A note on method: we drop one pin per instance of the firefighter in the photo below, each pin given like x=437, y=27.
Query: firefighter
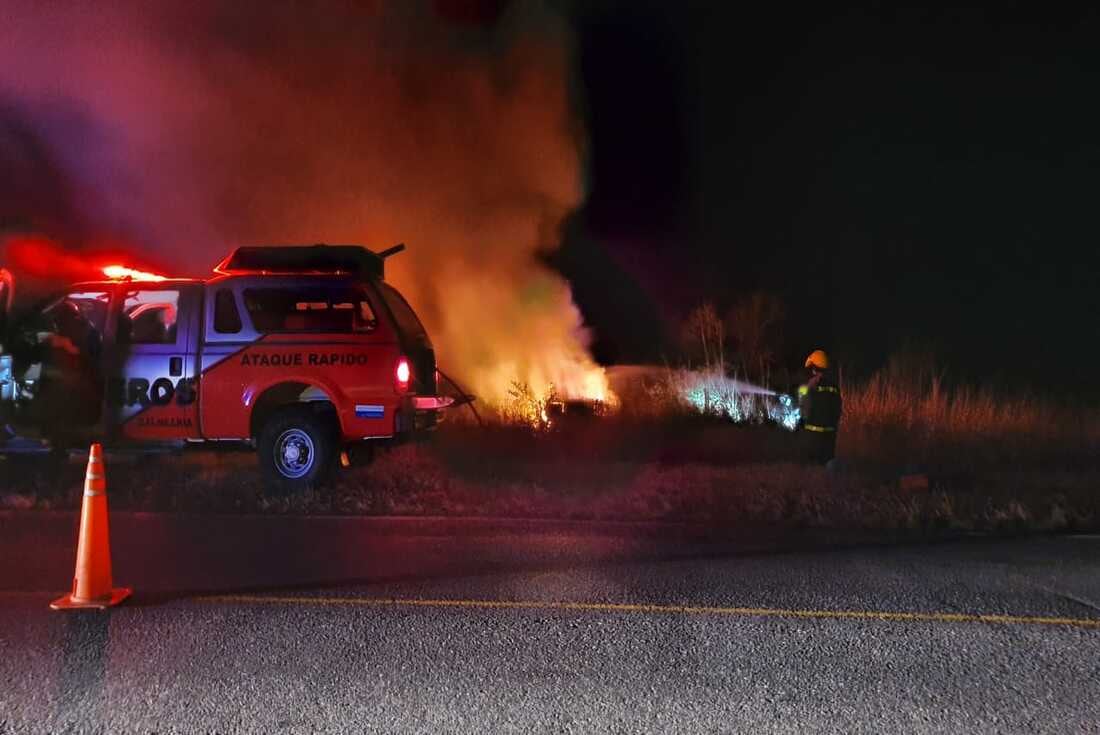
x=820, y=406
x=70, y=392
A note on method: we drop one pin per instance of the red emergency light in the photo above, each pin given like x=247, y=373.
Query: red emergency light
x=122, y=273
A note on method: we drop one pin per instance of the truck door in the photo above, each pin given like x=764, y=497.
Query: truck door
x=59, y=363
x=152, y=387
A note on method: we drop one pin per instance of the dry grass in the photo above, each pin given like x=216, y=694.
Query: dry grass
x=901, y=418
x=923, y=423
x=992, y=461
x=438, y=479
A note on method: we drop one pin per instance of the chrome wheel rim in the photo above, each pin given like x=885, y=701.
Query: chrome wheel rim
x=294, y=454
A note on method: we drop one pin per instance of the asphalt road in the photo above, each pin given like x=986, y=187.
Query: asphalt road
x=449, y=628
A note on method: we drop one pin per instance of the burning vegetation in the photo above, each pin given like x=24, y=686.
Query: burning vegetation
x=185, y=130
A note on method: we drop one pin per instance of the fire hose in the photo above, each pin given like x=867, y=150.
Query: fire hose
x=463, y=396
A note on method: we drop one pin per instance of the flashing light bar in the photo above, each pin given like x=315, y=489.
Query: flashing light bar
x=122, y=273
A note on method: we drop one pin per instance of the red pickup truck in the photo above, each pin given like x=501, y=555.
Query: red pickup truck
x=299, y=352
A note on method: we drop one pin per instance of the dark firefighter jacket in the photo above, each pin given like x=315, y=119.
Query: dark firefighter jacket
x=820, y=403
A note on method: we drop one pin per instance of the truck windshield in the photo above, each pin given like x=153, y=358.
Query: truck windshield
x=406, y=318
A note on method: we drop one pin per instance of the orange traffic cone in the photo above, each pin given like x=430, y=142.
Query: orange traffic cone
x=92, y=582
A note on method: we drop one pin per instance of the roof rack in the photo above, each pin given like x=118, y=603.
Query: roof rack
x=307, y=259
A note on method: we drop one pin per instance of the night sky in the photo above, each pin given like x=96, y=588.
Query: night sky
x=898, y=177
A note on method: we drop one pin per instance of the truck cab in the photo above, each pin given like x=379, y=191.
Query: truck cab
x=297, y=352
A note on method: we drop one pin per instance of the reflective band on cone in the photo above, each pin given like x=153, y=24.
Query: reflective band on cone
x=92, y=582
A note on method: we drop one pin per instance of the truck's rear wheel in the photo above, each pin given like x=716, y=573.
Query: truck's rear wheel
x=297, y=449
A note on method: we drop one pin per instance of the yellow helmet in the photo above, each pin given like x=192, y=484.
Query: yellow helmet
x=818, y=359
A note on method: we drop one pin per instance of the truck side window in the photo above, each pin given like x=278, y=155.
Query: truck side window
x=149, y=317
x=227, y=319
x=402, y=312
x=335, y=310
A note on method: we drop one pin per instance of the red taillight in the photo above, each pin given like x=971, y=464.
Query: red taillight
x=402, y=375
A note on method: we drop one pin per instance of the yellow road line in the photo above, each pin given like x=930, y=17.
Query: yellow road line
x=647, y=608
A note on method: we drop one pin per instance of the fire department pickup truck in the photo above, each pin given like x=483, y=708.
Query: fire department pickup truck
x=299, y=352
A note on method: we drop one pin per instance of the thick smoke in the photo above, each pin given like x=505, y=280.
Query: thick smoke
x=195, y=127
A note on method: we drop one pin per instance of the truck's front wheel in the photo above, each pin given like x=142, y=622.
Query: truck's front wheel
x=297, y=448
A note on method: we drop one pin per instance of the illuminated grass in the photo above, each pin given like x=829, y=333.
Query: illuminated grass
x=904, y=420
x=628, y=473
x=891, y=419
x=992, y=462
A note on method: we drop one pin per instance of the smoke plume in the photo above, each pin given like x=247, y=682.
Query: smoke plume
x=189, y=128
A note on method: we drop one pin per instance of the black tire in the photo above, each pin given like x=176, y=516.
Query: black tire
x=297, y=449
